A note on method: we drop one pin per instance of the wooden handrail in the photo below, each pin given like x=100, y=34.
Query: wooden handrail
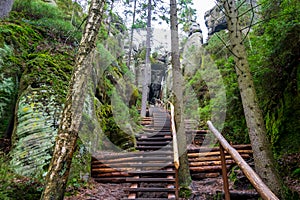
x=175, y=145
x=255, y=180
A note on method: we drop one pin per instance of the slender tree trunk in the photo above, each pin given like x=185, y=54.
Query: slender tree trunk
x=110, y=21
x=184, y=171
x=147, y=70
x=263, y=157
x=131, y=36
x=58, y=173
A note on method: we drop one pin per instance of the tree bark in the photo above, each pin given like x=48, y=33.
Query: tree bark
x=59, y=168
x=263, y=157
x=5, y=7
x=147, y=70
x=184, y=171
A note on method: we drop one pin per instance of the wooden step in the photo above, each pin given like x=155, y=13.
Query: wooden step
x=155, y=139
x=154, y=189
x=151, y=180
x=111, y=180
x=148, y=199
x=148, y=148
x=134, y=159
x=152, y=172
x=157, y=134
x=127, y=155
x=151, y=143
x=133, y=165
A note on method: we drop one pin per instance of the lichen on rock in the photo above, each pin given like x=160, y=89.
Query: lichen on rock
x=35, y=130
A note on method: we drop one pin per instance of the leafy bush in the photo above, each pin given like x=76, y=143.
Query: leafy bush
x=274, y=60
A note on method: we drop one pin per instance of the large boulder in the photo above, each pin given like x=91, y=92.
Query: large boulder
x=215, y=20
x=37, y=117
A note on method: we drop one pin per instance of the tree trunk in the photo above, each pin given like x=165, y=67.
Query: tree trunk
x=131, y=37
x=263, y=157
x=5, y=7
x=147, y=69
x=59, y=168
x=184, y=171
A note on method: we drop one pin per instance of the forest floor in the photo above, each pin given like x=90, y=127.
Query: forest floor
x=205, y=189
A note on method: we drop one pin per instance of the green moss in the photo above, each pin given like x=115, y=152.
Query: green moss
x=43, y=69
x=185, y=192
x=19, y=35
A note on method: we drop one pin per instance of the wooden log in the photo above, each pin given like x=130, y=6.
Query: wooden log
x=106, y=170
x=256, y=181
x=215, y=158
x=111, y=179
x=214, y=153
x=110, y=174
x=210, y=163
x=207, y=168
x=216, y=149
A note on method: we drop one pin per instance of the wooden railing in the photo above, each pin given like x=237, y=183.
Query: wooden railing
x=255, y=180
x=175, y=147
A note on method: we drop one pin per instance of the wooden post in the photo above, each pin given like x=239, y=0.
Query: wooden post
x=176, y=184
x=224, y=174
x=255, y=180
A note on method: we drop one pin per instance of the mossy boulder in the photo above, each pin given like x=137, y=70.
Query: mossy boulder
x=36, y=125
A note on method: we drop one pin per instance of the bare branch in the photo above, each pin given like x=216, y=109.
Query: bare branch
x=241, y=5
x=251, y=9
x=252, y=18
x=229, y=49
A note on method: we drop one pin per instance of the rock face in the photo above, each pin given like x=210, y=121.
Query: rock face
x=191, y=52
x=215, y=19
x=37, y=119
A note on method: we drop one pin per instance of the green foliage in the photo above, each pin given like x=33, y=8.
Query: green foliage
x=233, y=177
x=296, y=173
x=185, y=192
x=80, y=168
x=274, y=60
x=13, y=186
x=235, y=128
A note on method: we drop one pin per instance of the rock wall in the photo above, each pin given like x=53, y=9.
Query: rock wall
x=215, y=19
x=37, y=118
